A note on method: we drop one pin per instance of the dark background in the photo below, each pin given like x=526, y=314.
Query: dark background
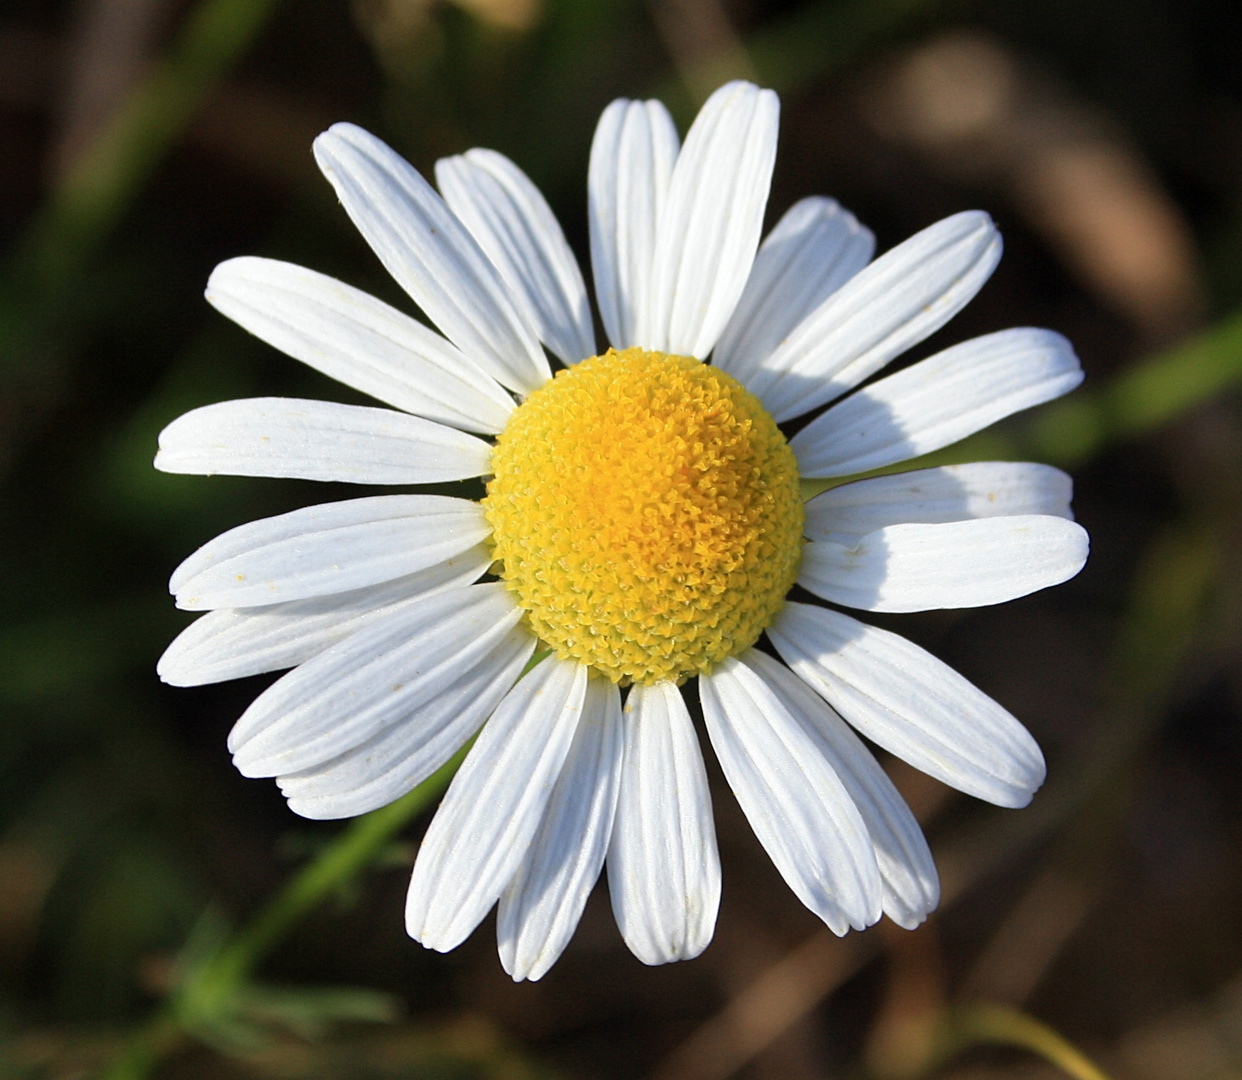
x=1104, y=137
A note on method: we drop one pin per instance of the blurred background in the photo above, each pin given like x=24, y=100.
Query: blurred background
x=143, y=141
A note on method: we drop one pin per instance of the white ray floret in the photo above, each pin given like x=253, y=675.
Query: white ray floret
x=896, y=302
x=910, y=703
x=632, y=157
x=318, y=440
x=814, y=250
x=539, y=910
x=792, y=797
x=402, y=755
x=935, y=496
x=375, y=678
x=232, y=643
x=958, y=564
x=711, y=221
x=663, y=866
x=485, y=825
x=431, y=254
x=515, y=226
x=938, y=401
x=359, y=341
x=911, y=886
x=330, y=548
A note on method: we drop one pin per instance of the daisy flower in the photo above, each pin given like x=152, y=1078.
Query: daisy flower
x=642, y=529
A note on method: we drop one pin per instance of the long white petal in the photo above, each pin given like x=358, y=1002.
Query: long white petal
x=359, y=341
x=324, y=549
x=514, y=225
x=632, y=157
x=896, y=302
x=540, y=909
x=910, y=703
x=938, y=401
x=959, y=564
x=799, y=809
x=981, y=489
x=911, y=884
x=814, y=250
x=385, y=674
x=401, y=756
x=318, y=440
x=235, y=642
x=431, y=255
x=709, y=229
x=663, y=865
x=489, y=816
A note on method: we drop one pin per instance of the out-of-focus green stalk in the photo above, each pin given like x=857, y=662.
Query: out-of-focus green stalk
x=1133, y=404
x=209, y=992
x=988, y=1022
x=105, y=180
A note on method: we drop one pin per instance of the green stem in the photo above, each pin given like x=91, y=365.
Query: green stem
x=208, y=992
x=988, y=1022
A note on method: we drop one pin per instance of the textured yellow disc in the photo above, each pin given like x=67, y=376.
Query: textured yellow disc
x=646, y=512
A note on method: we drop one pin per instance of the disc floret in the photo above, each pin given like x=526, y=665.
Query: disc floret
x=646, y=515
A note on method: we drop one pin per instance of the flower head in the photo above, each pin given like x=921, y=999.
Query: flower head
x=642, y=526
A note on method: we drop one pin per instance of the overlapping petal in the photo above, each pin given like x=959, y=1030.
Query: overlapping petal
x=539, y=910
x=493, y=808
x=934, y=496
x=359, y=341
x=792, y=797
x=814, y=250
x=910, y=703
x=938, y=401
x=387, y=673
x=709, y=227
x=911, y=886
x=514, y=225
x=232, y=643
x=431, y=255
x=896, y=302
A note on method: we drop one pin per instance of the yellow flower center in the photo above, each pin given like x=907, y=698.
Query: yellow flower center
x=646, y=512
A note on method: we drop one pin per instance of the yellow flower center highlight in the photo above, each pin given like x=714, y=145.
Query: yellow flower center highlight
x=647, y=514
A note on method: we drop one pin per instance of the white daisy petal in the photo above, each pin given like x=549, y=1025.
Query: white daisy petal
x=814, y=250
x=896, y=302
x=235, y=642
x=982, y=489
x=514, y=225
x=324, y=549
x=402, y=755
x=383, y=674
x=492, y=810
x=318, y=440
x=663, y=865
x=359, y=341
x=959, y=564
x=938, y=401
x=799, y=809
x=907, y=701
x=632, y=157
x=910, y=882
x=431, y=255
x=540, y=909
x=710, y=226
